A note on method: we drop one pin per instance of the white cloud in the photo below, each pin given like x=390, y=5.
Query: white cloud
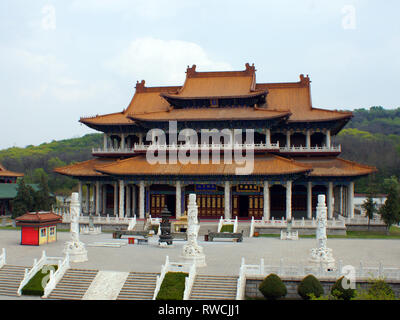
x=162, y=61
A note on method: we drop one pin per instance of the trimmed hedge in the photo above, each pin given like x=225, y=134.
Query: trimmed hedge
x=34, y=286
x=273, y=287
x=340, y=293
x=173, y=286
x=310, y=285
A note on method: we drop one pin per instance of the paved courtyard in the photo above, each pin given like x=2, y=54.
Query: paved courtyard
x=222, y=258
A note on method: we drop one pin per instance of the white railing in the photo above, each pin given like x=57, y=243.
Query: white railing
x=361, y=220
x=189, y=281
x=153, y=222
x=300, y=271
x=311, y=149
x=171, y=267
x=37, y=266
x=100, y=219
x=132, y=223
x=3, y=257
x=215, y=146
x=241, y=282
x=300, y=223
x=228, y=222
x=57, y=276
x=194, y=147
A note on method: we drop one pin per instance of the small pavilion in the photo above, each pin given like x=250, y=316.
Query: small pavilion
x=38, y=228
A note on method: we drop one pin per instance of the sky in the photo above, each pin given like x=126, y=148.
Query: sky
x=65, y=59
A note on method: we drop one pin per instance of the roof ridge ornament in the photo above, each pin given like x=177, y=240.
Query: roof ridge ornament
x=191, y=71
x=250, y=69
x=305, y=80
x=140, y=86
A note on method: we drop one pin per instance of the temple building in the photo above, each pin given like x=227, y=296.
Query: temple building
x=8, y=189
x=295, y=158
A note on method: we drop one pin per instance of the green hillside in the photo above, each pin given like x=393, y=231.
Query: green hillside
x=34, y=161
x=372, y=137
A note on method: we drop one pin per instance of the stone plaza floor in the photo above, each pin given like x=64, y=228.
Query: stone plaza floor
x=222, y=257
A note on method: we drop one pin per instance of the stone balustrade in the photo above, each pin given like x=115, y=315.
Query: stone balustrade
x=300, y=271
x=36, y=267
x=3, y=257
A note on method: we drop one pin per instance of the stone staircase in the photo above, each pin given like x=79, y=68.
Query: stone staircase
x=73, y=284
x=207, y=287
x=10, y=279
x=138, y=286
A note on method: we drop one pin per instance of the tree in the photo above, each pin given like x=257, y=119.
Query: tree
x=370, y=208
x=390, y=210
x=43, y=200
x=273, y=287
x=24, y=201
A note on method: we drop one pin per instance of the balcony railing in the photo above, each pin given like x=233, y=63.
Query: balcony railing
x=141, y=148
x=315, y=149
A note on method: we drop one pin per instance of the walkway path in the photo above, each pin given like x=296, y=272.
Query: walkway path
x=106, y=285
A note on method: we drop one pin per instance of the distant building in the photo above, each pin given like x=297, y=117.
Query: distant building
x=8, y=189
x=359, y=199
x=295, y=158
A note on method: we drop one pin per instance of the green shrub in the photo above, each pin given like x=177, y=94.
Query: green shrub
x=227, y=228
x=34, y=286
x=340, y=293
x=273, y=287
x=173, y=286
x=310, y=285
x=379, y=290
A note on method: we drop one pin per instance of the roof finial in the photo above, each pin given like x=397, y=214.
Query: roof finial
x=305, y=80
x=191, y=71
x=250, y=69
x=140, y=86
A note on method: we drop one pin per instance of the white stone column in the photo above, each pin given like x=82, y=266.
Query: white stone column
x=97, y=198
x=328, y=138
x=341, y=201
x=309, y=200
x=121, y=198
x=105, y=141
x=80, y=194
x=267, y=206
x=141, y=200
x=268, y=137
x=140, y=138
x=350, y=200
x=308, y=139
x=122, y=145
x=128, y=201
x=88, y=198
x=330, y=200
x=115, y=199
x=104, y=196
x=288, y=139
x=178, y=196
x=227, y=198
x=133, y=200
x=289, y=200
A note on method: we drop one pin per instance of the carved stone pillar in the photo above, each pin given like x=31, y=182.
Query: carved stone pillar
x=121, y=198
x=309, y=200
x=227, y=198
x=267, y=206
x=288, y=200
x=141, y=200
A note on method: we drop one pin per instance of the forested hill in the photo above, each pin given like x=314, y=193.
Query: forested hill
x=372, y=137
x=34, y=161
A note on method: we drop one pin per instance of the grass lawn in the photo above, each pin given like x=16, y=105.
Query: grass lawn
x=173, y=286
x=34, y=286
x=393, y=234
